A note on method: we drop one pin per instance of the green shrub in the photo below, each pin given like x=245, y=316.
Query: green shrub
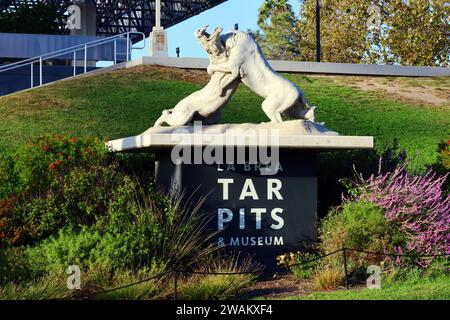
x=440, y=267
x=35, y=166
x=83, y=197
x=132, y=239
x=367, y=227
x=305, y=270
x=442, y=165
x=302, y=263
x=64, y=182
x=67, y=202
x=38, y=218
x=86, y=249
x=86, y=193
x=8, y=176
x=54, y=182
x=356, y=225
x=14, y=266
x=123, y=208
x=444, y=155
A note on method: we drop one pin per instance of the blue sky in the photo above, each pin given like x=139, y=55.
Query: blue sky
x=243, y=12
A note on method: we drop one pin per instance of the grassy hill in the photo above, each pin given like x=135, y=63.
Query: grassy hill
x=127, y=102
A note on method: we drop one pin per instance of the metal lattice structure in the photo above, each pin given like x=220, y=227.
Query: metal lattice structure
x=120, y=16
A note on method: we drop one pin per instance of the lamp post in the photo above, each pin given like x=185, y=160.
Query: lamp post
x=158, y=37
x=158, y=14
x=318, y=30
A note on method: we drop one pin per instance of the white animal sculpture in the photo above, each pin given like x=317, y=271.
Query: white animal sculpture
x=206, y=104
x=234, y=57
x=246, y=61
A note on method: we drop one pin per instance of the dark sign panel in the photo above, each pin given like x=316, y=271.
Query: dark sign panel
x=264, y=215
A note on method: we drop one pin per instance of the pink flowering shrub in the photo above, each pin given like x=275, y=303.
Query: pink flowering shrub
x=415, y=205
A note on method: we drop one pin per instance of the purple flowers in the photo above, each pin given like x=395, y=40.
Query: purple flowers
x=415, y=205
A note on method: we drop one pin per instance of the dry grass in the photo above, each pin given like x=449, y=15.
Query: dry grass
x=328, y=278
x=33, y=103
x=48, y=287
x=432, y=92
x=156, y=72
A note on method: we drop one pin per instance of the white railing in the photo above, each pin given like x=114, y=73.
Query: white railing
x=73, y=52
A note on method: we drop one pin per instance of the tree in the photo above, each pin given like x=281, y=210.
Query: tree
x=40, y=18
x=278, y=36
x=413, y=32
x=344, y=31
x=419, y=32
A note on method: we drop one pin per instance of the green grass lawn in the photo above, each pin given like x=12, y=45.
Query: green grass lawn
x=425, y=289
x=127, y=102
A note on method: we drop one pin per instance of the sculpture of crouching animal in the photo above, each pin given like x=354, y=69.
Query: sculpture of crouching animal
x=206, y=104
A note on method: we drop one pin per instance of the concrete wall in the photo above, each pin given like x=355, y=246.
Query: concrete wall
x=309, y=67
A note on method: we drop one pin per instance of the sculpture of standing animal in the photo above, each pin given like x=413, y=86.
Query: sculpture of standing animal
x=246, y=61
